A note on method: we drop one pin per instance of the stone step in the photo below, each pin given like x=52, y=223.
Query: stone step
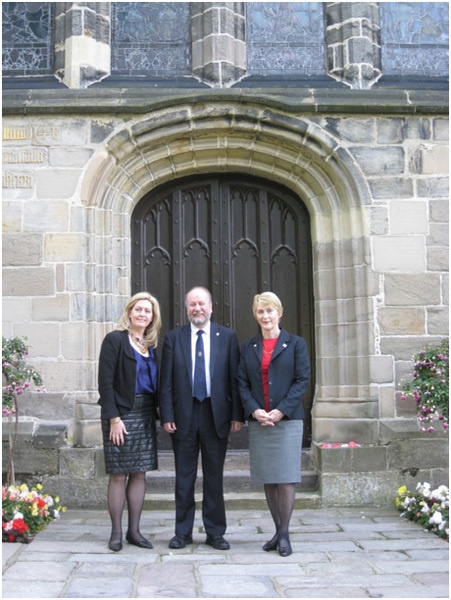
x=236, y=475
x=234, y=501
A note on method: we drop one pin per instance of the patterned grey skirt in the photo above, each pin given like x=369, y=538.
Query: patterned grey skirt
x=139, y=452
x=275, y=452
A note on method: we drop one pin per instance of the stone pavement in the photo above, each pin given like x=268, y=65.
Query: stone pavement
x=338, y=553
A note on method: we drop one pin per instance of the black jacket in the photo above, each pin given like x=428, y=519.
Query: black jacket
x=175, y=390
x=288, y=376
x=117, y=375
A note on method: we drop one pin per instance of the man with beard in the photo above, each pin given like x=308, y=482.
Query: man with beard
x=199, y=406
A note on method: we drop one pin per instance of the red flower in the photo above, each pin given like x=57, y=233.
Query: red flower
x=20, y=526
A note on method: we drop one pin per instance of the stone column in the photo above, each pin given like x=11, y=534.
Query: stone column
x=82, y=42
x=353, y=43
x=218, y=42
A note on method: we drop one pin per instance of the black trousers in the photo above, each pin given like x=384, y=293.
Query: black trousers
x=201, y=437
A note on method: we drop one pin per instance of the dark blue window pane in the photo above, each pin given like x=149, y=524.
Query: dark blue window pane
x=285, y=38
x=415, y=38
x=27, y=38
x=151, y=38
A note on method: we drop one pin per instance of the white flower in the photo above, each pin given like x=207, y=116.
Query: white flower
x=18, y=515
x=424, y=489
x=436, y=518
x=425, y=509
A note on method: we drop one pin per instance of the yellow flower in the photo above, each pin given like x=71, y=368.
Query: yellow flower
x=402, y=489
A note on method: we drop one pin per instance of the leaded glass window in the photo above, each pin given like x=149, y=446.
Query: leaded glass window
x=415, y=38
x=285, y=38
x=27, y=38
x=151, y=38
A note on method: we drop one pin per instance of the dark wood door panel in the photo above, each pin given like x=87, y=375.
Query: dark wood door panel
x=236, y=236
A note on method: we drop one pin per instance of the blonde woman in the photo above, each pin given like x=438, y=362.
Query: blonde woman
x=127, y=381
x=273, y=378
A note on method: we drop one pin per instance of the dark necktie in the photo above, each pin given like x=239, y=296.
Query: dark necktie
x=200, y=382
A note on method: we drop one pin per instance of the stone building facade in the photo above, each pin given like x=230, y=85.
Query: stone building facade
x=334, y=115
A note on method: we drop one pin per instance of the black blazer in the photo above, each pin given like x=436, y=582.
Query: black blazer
x=288, y=376
x=175, y=387
x=117, y=375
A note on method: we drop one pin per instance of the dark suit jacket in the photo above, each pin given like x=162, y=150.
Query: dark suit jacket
x=175, y=388
x=288, y=376
x=117, y=375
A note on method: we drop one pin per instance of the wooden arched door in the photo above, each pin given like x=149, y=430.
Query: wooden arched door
x=235, y=235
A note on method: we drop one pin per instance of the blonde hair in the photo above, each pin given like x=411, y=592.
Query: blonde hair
x=267, y=299
x=153, y=329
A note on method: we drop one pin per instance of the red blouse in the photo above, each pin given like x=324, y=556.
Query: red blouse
x=268, y=349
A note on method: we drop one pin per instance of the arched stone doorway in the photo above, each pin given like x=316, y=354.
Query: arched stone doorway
x=251, y=139
x=235, y=235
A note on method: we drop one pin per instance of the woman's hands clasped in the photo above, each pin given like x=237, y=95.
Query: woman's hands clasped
x=267, y=419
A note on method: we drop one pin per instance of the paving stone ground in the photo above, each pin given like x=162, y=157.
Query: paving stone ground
x=337, y=553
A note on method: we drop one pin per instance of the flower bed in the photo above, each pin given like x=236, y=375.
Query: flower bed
x=25, y=512
x=429, y=508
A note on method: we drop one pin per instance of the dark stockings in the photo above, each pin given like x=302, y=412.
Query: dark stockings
x=119, y=490
x=280, y=498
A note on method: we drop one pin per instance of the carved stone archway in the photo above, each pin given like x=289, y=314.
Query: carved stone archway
x=200, y=138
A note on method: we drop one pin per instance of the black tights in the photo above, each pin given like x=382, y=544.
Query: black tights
x=133, y=490
x=280, y=498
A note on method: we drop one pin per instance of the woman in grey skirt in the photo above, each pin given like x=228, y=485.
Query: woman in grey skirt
x=273, y=378
x=128, y=399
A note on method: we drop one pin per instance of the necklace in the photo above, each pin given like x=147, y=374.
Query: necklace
x=140, y=343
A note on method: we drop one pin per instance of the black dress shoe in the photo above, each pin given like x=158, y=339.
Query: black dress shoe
x=285, y=547
x=142, y=543
x=180, y=541
x=271, y=545
x=217, y=542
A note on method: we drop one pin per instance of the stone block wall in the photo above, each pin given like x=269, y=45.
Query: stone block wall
x=374, y=179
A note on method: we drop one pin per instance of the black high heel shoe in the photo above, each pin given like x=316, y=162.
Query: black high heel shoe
x=272, y=544
x=142, y=543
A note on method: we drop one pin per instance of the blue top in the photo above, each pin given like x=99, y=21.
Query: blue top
x=146, y=373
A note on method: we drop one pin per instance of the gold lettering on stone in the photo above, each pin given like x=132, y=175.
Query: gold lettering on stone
x=23, y=156
x=16, y=133
x=16, y=181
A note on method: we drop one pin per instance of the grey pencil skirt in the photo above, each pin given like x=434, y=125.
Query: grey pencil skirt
x=275, y=452
x=139, y=452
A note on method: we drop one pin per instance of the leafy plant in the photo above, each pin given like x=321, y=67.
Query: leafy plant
x=25, y=512
x=429, y=508
x=430, y=386
x=17, y=374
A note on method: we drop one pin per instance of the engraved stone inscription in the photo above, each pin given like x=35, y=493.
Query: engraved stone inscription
x=16, y=181
x=16, y=133
x=23, y=156
x=47, y=133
